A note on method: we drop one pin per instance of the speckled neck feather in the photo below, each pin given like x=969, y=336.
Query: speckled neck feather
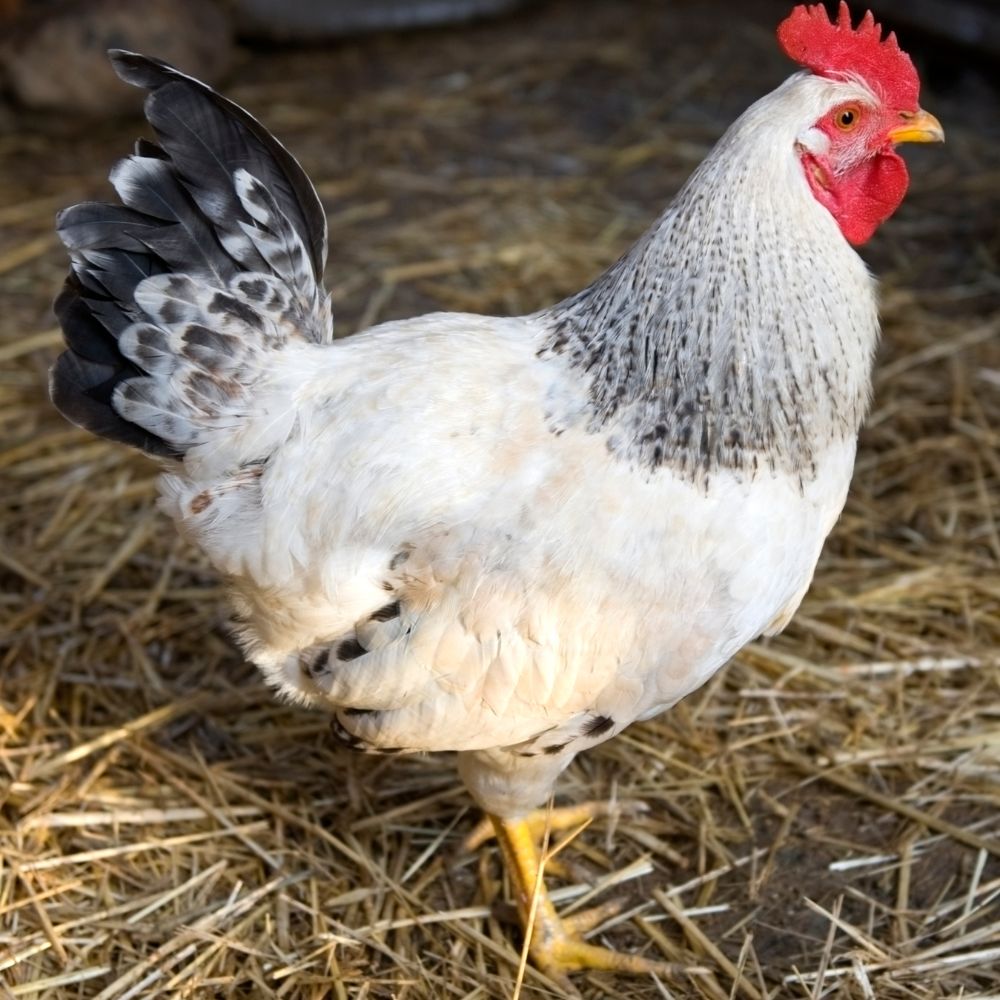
x=736, y=334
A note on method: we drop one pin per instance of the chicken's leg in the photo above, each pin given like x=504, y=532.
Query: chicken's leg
x=560, y=818
x=555, y=944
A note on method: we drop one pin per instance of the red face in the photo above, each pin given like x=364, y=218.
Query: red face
x=861, y=179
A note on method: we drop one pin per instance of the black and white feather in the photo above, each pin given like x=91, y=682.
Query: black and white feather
x=177, y=296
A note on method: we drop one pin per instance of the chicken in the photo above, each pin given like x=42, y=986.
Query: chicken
x=505, y=537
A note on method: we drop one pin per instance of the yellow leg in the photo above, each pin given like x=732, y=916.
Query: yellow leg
x=555, y=945
x=557, y=820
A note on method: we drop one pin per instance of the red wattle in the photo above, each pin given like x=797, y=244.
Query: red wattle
x=862, y=199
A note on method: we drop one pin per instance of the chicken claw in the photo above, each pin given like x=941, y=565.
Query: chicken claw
x=555, y=944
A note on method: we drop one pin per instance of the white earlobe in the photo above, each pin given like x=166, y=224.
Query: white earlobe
x=814, y=140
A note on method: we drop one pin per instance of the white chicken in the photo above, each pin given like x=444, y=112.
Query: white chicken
x=509, y=538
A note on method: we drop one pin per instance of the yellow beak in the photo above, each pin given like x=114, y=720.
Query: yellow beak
x=921, y=126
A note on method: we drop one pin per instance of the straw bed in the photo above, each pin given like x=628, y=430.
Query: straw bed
x=821, y=820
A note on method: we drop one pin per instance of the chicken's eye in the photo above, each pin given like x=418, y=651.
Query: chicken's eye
x=847, y=118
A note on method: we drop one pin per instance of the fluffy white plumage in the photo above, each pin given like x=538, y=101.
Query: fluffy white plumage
x=514, y=537
x=544, y=583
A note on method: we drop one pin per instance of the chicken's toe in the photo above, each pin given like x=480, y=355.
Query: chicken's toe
x=555, y=944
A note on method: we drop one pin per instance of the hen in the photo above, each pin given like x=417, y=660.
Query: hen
x=509, y=538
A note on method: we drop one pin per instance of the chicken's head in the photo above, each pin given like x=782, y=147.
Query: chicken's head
x=848, y=154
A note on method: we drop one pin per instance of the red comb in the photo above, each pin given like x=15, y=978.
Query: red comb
x=838, y=50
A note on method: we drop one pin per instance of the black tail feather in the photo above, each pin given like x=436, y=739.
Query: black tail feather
x=208, y=137
x=180, y=213
x=85, y=335
x=83, y=379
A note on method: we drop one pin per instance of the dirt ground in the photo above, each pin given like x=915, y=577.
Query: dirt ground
x=821, y=819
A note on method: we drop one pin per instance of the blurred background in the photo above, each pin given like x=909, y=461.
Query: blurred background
x=825, y=811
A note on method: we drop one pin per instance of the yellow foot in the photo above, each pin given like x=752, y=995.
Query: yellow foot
x=558, y=949
x=555, y=944
x=557, y=820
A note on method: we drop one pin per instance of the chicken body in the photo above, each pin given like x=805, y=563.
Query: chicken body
x=506, y=537
x=495, y=536
x=548, y=593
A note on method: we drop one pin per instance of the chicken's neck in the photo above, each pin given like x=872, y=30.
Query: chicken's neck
x=737, y=333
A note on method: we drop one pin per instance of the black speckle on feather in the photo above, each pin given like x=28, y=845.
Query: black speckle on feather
x=386, y=613
x=350, y=649
x=229, y=305
x=255, y=195
x=598, y=725
x=255, y=289
x=357, y=743
x=172, y=312
x=344, y=737
x=204, y=345
x=317, y=665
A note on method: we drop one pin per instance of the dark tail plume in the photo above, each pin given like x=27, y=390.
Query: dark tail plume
x=215, y=197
